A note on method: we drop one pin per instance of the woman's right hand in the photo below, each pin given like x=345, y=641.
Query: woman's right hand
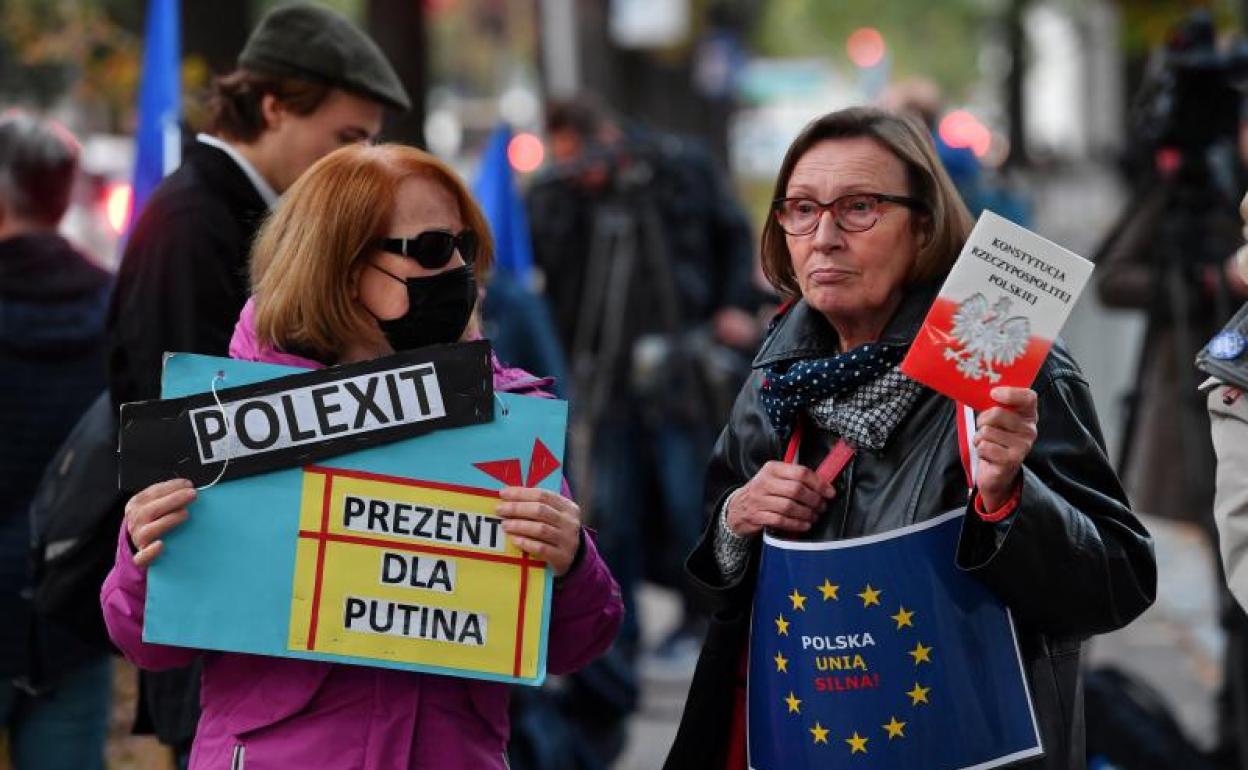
x=152, y=513
x=782, y=496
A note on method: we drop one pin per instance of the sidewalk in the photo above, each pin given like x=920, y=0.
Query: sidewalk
x=663, y=689
x=1176, y=646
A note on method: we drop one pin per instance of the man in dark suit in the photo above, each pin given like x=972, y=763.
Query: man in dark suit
x=307, y=83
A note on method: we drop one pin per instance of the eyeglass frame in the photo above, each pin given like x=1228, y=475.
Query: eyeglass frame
x=914, y=204
x=466, y=237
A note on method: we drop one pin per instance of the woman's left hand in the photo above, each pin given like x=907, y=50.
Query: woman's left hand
x=543, y=524
x=1004, y=437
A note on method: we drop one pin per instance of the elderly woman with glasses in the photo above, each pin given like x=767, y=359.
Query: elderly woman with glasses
x=865, y=225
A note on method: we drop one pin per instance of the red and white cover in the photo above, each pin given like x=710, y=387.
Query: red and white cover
x=998, y=313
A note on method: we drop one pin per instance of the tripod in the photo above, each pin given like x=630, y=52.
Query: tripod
x=627, y=238
x=1183, y=250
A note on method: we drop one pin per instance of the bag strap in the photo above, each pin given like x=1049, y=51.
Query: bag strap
x=965, y=417
x=832, y=465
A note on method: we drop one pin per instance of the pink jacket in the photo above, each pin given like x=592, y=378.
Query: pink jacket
x=262, y=713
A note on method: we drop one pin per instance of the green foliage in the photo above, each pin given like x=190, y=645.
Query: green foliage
x=938, y=40
x=352, y=9
x=50, y=47
x=1147, y=22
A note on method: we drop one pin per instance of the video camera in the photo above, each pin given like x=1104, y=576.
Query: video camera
x=629, y=165
x=1192, y=100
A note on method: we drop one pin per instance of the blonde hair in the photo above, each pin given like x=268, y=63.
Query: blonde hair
x=944, y=218
x=304, y=259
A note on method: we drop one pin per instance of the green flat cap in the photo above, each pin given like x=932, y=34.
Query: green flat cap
x=313, y=42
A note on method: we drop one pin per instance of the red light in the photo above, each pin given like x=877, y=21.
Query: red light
x=1169, y=160
x=962, y=129
x=865, y=47
x=525, y=153
x=117, y=206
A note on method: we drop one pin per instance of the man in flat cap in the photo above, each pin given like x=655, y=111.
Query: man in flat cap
x=308, y=82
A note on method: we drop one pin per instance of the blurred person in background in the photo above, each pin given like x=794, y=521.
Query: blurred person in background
x=921, y=99
x=56, y=692
x=707, y=262
x=648, y=264
x=307, y=83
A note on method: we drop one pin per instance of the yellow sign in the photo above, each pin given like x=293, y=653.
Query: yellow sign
x=415, y=572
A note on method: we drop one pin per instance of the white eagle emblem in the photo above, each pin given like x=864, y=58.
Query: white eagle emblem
x=987, y=337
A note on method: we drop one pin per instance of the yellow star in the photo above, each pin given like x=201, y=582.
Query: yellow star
x=895, y=728
x=799, y=601
x=904, y=617
x=857, y=743
x=782, y=626
x=918, y=694
x=820, y=732
x=794, y=702
x=829, y=590
x=921, y=654
x=782, y=663
x=870, y=596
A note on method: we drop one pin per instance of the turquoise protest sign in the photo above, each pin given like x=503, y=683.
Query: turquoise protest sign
x=388, y=556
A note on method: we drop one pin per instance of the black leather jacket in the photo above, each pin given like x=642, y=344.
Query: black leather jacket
x=1071, y=561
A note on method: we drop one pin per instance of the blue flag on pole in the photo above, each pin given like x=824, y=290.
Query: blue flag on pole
x=879, y=652
x=158, y=139
x=495, y=190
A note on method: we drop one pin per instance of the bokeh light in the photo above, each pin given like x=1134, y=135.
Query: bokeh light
x=525, y=152
x=117, y=202
x=865, y=47
x=962, y=129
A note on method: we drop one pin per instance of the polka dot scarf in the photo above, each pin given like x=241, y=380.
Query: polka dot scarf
x=792, y=387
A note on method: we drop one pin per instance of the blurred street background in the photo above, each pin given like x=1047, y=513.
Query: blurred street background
x=1053, y=113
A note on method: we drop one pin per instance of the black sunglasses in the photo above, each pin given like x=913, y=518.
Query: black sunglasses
x=432, y=249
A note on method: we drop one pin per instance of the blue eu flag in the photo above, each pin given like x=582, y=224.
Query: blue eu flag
x=158, y=138
x=495, y=189
x=880, y=653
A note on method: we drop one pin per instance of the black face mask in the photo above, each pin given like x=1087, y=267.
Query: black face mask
x=438, y=309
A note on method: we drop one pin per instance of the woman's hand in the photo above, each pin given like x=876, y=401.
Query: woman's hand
x=152, y=513
x=543, y=524
x=1003, y=439
x=782, y=496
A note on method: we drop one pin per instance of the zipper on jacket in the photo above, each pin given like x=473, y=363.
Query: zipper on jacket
x=848, y=476
x=240, y=756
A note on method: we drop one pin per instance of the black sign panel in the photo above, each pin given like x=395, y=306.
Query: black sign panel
x=301, y=418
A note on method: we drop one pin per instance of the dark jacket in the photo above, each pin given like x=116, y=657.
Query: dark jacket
x=1070, y=562
x=182, y=283
x=183, y=277
x=52, y=304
